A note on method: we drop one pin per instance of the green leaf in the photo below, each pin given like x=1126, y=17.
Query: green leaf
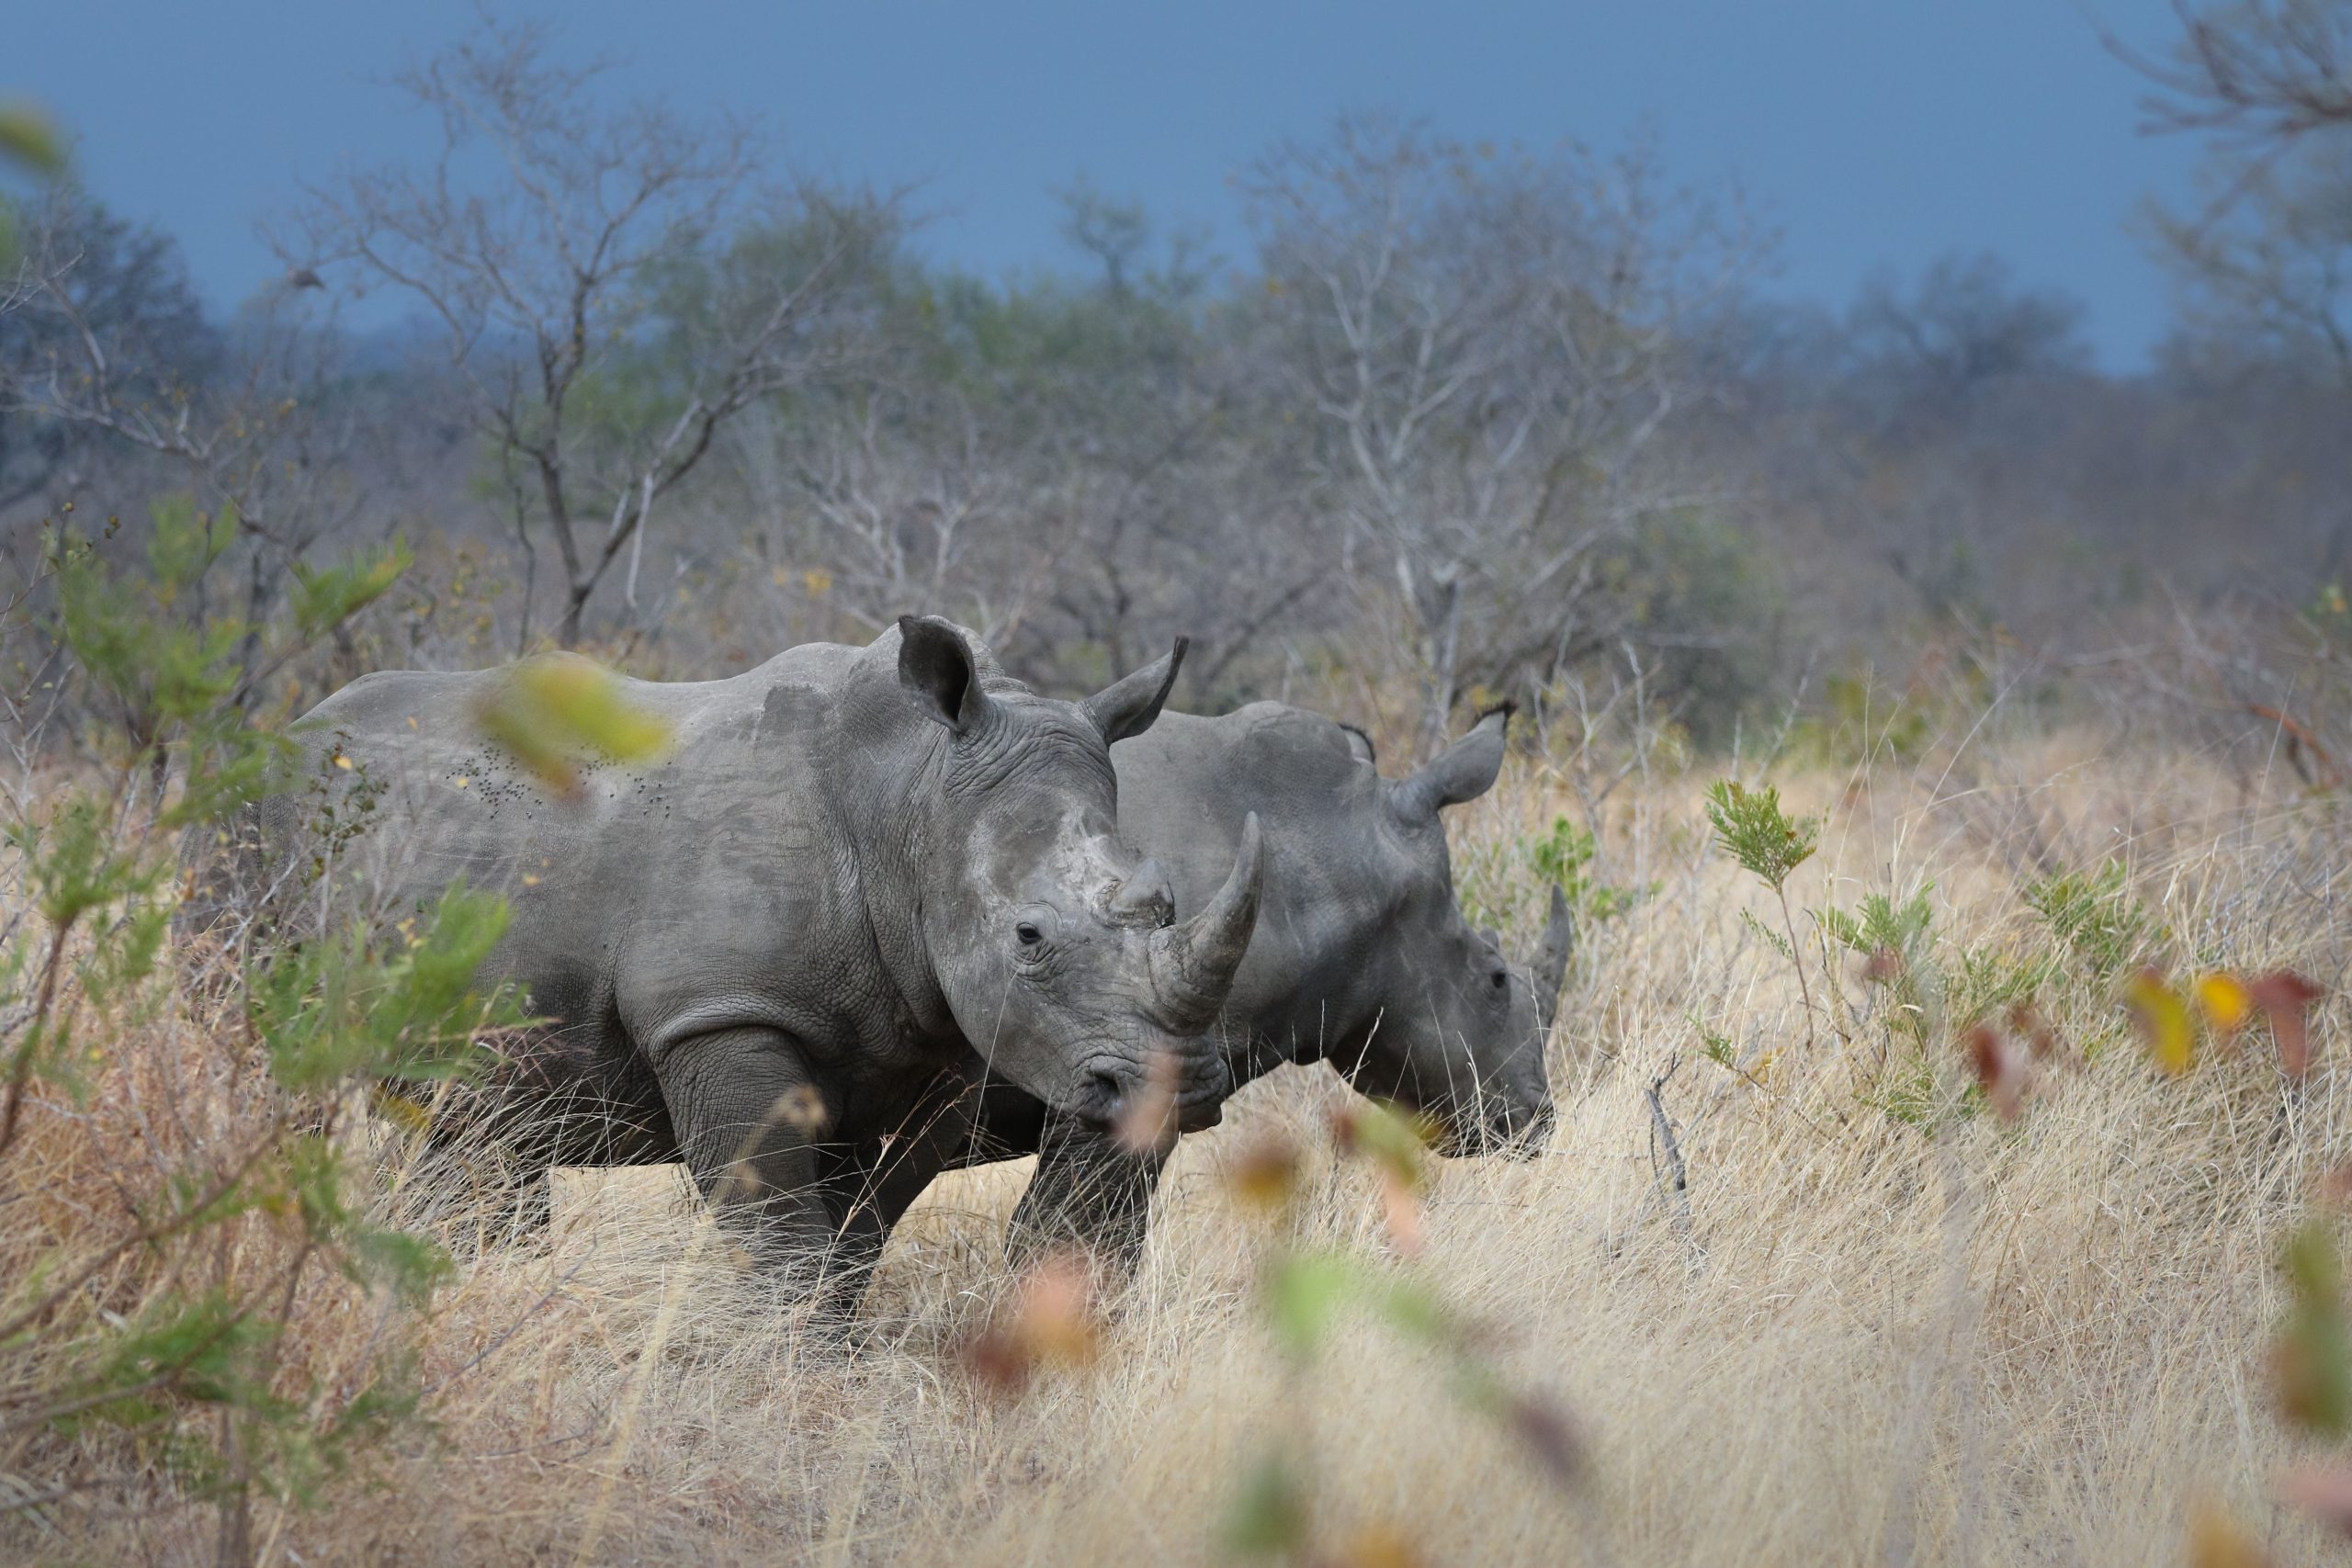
x=1416, y=1314
x=325, y=599
x=1304, y=1294
x=1752, y=829
x=2094, y=915
x=2313, y=1354
x=1268, y=1516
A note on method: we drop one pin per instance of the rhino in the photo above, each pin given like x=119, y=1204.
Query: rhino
x=858, y=868
x=1363, y=956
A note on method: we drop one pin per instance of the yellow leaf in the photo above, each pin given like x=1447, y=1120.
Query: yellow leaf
x=29, y=137
x=2164, y=1020
x=2226, y=1001
x=555, y=713
x=343, y=761
x=1266, y=1174
x=2216, y=1541
x=411, y=1115
x=1378, y=1546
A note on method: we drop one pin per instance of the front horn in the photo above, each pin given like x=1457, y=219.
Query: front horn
x=1193, y=964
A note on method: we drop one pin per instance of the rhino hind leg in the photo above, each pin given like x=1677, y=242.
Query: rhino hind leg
x=1088, y=1193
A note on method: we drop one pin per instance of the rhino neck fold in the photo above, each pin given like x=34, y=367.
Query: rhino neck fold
x=884, y=783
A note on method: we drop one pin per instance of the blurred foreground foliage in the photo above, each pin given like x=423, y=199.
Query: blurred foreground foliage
x=163, y=1312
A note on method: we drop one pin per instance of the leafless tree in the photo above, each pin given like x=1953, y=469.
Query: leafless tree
x=2262, y=72
x=540, y=236
x=912, y=523
x=2266, y=255
x=1492, y=342
x=98, y=348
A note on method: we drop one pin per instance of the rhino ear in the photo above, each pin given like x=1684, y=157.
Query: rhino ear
x=1127, y=707
x=1464, y=770
x=935, y=664
x=1360, y=745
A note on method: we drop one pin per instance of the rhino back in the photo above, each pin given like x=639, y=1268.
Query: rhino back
x=660, y=899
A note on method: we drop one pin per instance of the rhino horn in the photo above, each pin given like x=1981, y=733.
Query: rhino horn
x=1551, y=958
x=1464, y=770
x=1193, y=964
x=1128, y=705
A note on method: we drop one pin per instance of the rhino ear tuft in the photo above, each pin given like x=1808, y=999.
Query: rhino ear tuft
x=936, y=665
x=1464, y=770
x=1128, y=705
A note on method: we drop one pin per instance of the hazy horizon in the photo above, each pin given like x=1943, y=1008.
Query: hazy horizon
x=1866, y=138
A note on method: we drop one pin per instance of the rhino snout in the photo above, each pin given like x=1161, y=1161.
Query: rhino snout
x=1192, y=1086
x=1525, y=1137
x=1516, y=1126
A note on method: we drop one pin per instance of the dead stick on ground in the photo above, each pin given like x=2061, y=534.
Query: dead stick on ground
x=1679, y=1173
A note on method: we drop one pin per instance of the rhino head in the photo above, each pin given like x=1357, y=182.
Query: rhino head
x=1057, y=947
x=1458, y=1031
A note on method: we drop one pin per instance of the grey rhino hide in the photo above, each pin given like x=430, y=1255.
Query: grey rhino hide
x=858, y=867
x=1361, y=956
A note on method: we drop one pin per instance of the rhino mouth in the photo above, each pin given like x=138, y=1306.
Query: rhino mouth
x=1512, y=1132
x=1113, y=1090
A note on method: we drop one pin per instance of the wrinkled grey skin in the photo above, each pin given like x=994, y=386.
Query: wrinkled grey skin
x=1363, y=957
x=858, y=868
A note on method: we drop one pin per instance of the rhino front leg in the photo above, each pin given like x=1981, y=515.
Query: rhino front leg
x=1089, y=1192
x=747, y=1110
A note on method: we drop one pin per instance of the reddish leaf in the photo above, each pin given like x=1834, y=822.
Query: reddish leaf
x=1401, y=1210
x=1549, y=1435
x=2323, y=1491
x=1147, y=1123
x=1053, y=1321
x=2028, y=1024
x=2284, y=998
x=1999, y=1070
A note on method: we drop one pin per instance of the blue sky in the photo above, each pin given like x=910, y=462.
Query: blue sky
x=1871, y=132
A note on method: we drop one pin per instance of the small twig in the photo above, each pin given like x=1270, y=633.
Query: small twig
x=1680, y=1174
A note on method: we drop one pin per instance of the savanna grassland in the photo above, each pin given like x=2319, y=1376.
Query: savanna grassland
x=1789, y=1283
x=1940, y=737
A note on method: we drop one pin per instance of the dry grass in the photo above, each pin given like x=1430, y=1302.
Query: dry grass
x=2036, y=1344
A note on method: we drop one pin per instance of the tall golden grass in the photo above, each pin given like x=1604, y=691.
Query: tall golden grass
x=1866, y=1338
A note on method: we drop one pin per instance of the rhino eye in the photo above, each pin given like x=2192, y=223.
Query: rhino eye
x=1035, y=926
x=1502, y=978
